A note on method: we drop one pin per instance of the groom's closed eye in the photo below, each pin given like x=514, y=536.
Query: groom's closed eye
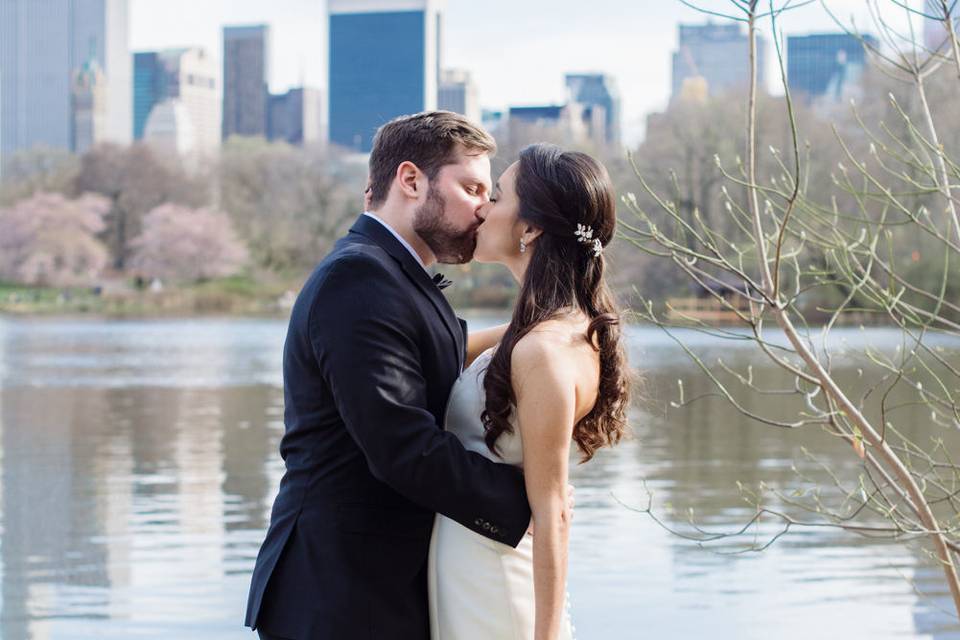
x=477, y=189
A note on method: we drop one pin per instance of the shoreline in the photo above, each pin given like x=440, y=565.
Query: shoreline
x=153, y=315
x=242, y=297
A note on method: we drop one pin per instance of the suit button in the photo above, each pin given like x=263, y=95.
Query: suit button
x=478, y=522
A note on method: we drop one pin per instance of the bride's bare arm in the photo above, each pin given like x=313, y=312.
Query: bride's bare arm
x=480, y=341
x=545, y=387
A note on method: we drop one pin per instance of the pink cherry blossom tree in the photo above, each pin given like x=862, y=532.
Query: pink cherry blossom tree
x=48, y=239
x=187, y=245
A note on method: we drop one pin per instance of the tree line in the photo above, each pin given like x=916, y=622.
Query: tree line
x=272, y=210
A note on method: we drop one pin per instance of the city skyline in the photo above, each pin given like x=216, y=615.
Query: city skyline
x=511, y=63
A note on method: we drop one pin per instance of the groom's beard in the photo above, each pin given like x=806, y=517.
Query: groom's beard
x=449, y=244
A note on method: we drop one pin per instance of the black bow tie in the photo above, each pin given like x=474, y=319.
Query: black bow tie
x=441, y=282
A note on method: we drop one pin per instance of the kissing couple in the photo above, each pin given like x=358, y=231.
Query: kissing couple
x=425, y=492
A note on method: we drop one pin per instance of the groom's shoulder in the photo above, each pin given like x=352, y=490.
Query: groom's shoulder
x=350, y=280
x=353, y=265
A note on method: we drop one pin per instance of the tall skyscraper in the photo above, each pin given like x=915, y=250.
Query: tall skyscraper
x=384, y=62
x=598, y=91
x=246, y=65
x=186, y=75
x=296, y=116
x=718, y=53
x=44, y=44
x=458, y=93
x=825, y=65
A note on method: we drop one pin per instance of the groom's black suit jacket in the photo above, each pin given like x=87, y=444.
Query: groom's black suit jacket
x=371, y=353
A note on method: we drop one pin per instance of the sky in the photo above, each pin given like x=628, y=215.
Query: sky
x=517, y=50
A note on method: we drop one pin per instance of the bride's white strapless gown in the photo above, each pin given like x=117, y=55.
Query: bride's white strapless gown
x=480, y=589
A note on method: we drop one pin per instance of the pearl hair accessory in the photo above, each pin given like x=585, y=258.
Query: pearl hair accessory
x=584, y=235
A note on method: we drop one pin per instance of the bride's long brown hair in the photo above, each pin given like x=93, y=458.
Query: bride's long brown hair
x=559, y=190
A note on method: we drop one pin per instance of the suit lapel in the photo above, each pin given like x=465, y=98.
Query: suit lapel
x=375, y=231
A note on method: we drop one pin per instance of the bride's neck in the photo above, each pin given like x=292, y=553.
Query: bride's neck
x=519, y=268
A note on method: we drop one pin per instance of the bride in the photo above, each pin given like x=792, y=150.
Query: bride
x=557, y=377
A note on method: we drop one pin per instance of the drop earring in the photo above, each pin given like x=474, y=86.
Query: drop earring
x=523, y=246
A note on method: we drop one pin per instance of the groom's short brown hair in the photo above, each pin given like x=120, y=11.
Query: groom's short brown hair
x=430, y=140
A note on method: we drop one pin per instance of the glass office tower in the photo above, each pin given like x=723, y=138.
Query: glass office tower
x=384, y=62
x=825, y=64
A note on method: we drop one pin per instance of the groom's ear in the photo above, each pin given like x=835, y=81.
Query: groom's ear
x=410, y=179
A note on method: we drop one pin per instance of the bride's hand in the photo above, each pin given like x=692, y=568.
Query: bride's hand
x=571, y=501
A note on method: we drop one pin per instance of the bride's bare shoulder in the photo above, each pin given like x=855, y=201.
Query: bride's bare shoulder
x=542, y=375
x=556, y=369
x=532, y=349
x=557, y=345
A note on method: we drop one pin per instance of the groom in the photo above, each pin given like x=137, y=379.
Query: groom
x=371, y=353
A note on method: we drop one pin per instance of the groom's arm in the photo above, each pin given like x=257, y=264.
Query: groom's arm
x=363, y=331
x=480, y=340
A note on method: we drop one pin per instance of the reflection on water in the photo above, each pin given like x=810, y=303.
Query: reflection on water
x=138, y=462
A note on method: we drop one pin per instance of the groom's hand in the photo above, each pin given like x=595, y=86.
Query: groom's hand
x=571, y=501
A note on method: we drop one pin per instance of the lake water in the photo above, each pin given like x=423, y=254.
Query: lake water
x=138, y=463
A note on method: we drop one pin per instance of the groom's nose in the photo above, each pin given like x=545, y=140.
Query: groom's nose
x=481, y=212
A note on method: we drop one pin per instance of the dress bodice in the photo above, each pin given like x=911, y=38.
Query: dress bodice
x=466, y=405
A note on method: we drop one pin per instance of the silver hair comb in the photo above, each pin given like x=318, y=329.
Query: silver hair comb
x=584, y=235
